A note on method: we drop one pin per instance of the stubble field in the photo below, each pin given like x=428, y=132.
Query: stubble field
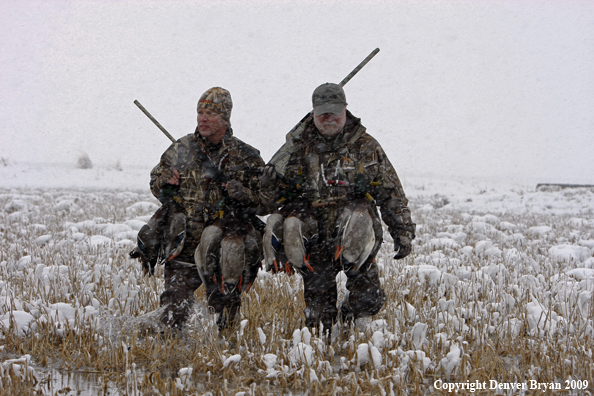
x=497, y=293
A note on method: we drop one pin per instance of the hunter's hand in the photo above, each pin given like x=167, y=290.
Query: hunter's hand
x=236, y=191
x=268, y=176
x=169, y=176
x=402, y=246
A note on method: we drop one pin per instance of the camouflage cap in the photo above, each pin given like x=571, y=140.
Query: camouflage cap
x=217, y=99
x=329, y=98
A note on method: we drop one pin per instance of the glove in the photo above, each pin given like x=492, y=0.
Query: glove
x=168, y=176
x=268, y=176
x=402, y=246
x=168, y=184
x=291, y=189
x=237, y=191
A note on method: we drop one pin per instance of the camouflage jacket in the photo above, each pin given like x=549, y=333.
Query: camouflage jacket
x=327, y=172
x=200, y=187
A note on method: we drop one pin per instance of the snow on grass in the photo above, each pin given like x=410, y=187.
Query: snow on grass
x=499, y=286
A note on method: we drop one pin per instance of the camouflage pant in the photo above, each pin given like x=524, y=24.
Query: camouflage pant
x=365, y=295
x=181, y=280
x=225, y=305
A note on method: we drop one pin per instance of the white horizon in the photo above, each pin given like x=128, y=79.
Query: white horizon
x=494, y=89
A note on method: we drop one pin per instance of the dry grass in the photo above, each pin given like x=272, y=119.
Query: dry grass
x=468, y=305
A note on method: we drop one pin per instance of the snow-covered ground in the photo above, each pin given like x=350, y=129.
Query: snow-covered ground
x=494, y=264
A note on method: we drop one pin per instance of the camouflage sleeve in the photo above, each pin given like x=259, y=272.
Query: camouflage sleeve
x=252, y=183
x=292, y=155
x=292, y=144
x=167, y=159
x=391, y=199
x=155, y=173
x=268, y=197
x=251, y=180
x=280, y=160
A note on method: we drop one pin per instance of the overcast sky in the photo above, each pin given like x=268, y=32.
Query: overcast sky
x=459, y=88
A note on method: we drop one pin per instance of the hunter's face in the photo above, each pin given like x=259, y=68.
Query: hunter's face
x=211, y=125
x=330, y=124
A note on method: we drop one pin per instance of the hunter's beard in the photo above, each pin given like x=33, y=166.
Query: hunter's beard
x=329, y=128
x=329, y=124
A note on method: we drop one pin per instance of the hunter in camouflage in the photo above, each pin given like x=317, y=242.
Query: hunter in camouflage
x=332, y=172
x=213, y=177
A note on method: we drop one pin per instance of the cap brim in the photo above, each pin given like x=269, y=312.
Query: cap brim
x=334, y=108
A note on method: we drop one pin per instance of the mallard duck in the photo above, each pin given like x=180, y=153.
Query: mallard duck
x=300, y=234
x=354, y=238
x=274, y=255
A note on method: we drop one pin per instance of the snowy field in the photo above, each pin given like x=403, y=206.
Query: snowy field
x=496, y=296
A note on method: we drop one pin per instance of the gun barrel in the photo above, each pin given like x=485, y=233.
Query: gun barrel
x=146, y=113
x=361, y=65
x=281, y=157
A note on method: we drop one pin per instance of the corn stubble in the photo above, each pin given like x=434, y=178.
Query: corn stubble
x=484, y=316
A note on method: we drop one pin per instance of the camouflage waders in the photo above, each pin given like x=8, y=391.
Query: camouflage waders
x=332, y=175
x=181, y=280
x=364, y=297
x=200, y=190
